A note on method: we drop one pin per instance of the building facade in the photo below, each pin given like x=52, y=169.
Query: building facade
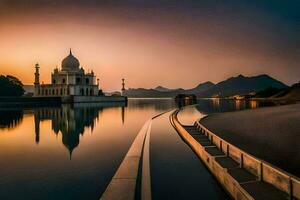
x=70, y=80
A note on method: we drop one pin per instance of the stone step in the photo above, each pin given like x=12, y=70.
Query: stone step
x=257, y=189
x=242, y=175
x=227, y=162
x=261, y=190
x=195, y=133
x=214, y=151
x=200, y=137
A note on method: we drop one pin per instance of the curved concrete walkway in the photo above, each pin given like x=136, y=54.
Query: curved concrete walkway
x=123, y=184
x=168, y=168
x=176, y=172
x=171, y=170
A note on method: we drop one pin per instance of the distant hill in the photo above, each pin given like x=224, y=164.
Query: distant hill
x=164, y=89
x=150, y=93
x=202, y=87
x=161, y=92
x=240, y=85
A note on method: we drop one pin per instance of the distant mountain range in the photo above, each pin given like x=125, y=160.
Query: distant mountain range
x=161, y=91
x=164, y=89
x=240, y=85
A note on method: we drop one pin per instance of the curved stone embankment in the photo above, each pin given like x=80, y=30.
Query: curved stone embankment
x=242, y=175
x=57, y=100
x=124, y=183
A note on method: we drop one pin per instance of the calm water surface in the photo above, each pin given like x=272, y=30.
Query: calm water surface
x=65, y=152
x=72, y=152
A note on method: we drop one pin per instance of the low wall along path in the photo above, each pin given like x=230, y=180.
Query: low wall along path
x=241, y=174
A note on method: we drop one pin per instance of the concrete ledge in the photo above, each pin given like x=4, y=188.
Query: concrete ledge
x=57, y=100
x=29, y=101
x=146, y=175
x=123, y=184
x=245, y=161
x=264, y=171
x=229, y=183
x=88, y=99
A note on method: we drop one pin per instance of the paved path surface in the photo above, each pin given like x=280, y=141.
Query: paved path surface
x=272, y=133
x=257, y=189
x=176, y=172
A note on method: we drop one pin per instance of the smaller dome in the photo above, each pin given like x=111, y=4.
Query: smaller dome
x=70, y=63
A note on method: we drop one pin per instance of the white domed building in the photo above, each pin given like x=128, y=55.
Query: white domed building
x=71, y=80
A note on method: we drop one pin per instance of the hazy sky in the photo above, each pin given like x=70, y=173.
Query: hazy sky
x=177, y=43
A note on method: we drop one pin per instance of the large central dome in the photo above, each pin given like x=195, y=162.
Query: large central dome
x=70, y=63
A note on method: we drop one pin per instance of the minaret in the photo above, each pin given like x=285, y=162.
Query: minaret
x=123, y=87
x=37, y=74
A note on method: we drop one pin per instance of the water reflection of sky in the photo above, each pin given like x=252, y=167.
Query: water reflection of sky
x=190, y=114
x=215, y=105
x=71, y=152
x=68, y=152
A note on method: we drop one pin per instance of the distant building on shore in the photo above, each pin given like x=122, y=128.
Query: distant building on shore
x=70, y=80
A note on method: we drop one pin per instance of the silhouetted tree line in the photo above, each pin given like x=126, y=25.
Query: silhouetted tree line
x=10, y=86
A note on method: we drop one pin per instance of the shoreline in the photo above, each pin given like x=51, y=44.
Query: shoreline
x=57, y=100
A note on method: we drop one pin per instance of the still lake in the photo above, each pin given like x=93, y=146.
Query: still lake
x=72, y=152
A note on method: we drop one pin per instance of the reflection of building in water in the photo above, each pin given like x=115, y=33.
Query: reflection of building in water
x=216, y=103
x=123, y=114
x=237, y=104
x=253, y=104
x=240, y=104
x=185, y=100
x=70, y=122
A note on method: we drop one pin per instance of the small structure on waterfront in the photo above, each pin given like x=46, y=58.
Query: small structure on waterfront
x=185, y=99
x=70, y=80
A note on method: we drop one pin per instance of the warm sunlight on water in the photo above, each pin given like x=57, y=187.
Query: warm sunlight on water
x=215, y=105
x=72, y=152
x=68, y=153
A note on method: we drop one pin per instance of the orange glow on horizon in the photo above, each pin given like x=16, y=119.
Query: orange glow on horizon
x=145, y=54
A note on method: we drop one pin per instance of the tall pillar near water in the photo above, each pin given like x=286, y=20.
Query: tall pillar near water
x=37, y=80
x=123, y=87
x=37, y=74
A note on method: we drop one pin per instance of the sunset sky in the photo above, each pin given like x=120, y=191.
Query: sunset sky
x=177, y=43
